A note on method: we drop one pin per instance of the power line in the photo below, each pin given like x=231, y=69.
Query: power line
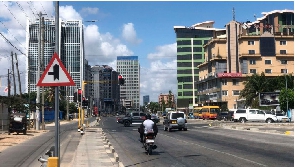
x=12, y=44
x=42, y=7
x=14, y=16
x=23, y=10
x=31, y=9
x=12, y=35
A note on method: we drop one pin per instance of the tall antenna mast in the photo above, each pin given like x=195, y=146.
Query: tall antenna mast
x=234, y=15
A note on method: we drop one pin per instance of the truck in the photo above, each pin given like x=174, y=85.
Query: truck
x=132, y=117
x=253, y=115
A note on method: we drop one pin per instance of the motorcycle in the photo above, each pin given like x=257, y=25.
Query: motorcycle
x=148, y=142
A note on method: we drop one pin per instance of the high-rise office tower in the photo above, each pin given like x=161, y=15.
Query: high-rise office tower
x=128, y=67
x=71, y=50
x=190, y=54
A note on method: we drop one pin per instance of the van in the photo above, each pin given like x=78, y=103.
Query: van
x=196, y=112
x=210, y=112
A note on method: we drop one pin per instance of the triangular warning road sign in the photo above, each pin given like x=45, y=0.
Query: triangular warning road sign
x=55, y=74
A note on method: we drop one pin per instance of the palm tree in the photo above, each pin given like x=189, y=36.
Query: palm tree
x=170, y=102
x=254, y=85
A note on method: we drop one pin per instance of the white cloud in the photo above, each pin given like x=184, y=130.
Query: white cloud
x=160, y=77
x=166, y=51
x=129, y=34
x=102, y=48
x=89, y=10
x=69, y=13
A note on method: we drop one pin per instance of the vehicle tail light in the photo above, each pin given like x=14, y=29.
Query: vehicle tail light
x=149, y=137
x=173, y=122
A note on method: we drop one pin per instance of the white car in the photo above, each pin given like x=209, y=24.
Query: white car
x=282, y=118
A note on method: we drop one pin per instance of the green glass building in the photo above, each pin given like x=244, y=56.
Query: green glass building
x=190, y=54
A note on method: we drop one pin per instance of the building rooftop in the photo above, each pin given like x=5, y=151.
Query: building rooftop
x=265, y=14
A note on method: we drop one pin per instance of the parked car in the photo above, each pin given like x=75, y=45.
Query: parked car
x=226, y=116
x=175, y=120
x=133, y=117
x=17, y=123
x=282, y=118
x=253, y=115
x=155, y=118
x=71, y=116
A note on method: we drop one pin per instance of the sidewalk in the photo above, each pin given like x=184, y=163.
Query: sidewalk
x=94, y=149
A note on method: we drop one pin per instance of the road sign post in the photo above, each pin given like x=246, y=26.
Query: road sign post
x=56, y=75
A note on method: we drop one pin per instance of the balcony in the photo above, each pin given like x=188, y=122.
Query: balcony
x=206, y=91
x=291, y=55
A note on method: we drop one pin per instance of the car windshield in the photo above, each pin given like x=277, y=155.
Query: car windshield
x=177, y=115
x=279, y=114
x=214, y=110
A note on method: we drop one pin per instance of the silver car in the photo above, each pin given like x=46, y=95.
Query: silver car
x=175, y=120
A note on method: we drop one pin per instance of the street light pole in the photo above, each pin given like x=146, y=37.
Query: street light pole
x=286, y=87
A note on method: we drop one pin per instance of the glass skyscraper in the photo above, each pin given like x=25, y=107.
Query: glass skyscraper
x=71, y=50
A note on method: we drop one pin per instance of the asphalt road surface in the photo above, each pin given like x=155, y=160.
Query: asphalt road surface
x=26, y=154
x=201, y=146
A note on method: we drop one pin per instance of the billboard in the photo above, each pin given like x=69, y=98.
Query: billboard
x=269, y=99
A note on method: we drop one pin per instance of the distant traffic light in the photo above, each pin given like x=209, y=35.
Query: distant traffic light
x=75, y=97
x=121, y=80
x=79, y=94
x=85, y=103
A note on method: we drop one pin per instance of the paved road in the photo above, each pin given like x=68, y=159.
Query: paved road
x=202, y=145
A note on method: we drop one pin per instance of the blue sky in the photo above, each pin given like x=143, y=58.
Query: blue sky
x=134, y=28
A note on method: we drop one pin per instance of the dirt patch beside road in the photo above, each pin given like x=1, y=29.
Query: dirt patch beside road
x=14, y=139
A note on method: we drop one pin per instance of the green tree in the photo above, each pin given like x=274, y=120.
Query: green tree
x=170, y=102
x=286, y=95
x=254, y=85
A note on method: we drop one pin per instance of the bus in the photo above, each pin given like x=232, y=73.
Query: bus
x=197, y=113
x=210, y=112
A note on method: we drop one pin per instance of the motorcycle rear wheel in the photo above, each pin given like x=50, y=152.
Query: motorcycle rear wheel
x=150, y=150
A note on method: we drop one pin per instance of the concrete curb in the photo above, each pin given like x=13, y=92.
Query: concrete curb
x=110, y=149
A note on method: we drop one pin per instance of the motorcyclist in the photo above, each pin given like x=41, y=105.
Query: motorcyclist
x=146, y=126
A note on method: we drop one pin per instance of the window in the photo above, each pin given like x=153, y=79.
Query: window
x=283, y=52
x=236, y=92
x=284, y=71
x=253, y=71
x=251, y=52
x=241, y=111
x=224, y=82
x=268, y=71
x=267, y=61
x=284, y=61
x=260, y=112
x=283, y=42
x=235, y=82
x=252, y=61
x=250, y=42
x=224, y=93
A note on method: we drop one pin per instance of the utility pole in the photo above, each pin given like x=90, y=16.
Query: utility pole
x=19, y=83
x=8, y=95
x=38, y=76
x=12, y=66
x=57, y=137
x=42, y=68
